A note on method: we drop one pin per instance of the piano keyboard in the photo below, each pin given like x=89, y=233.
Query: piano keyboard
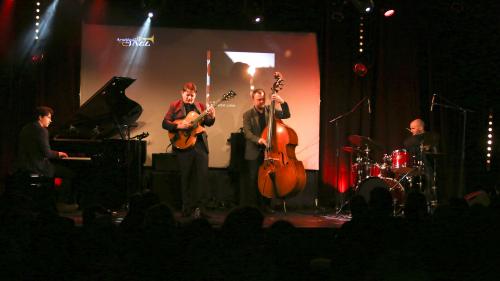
x=76, y=158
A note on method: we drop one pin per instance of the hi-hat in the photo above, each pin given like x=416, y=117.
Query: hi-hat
x=350, y=149
x=433, y=154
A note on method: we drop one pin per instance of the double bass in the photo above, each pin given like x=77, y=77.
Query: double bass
x=281, y=175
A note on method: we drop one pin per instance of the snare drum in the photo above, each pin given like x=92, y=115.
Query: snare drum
x=400, y=159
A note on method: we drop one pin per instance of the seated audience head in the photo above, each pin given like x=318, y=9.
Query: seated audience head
x=380, y=202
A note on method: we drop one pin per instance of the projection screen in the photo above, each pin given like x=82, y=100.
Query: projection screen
x=163, y=59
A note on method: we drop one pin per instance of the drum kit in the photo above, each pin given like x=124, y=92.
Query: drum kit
x=399, y=172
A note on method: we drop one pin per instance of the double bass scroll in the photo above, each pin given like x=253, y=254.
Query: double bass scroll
x=281, y=174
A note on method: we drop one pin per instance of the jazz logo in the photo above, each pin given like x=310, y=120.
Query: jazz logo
x=136, y=42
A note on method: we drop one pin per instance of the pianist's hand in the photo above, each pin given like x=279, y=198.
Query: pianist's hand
x=62, y=154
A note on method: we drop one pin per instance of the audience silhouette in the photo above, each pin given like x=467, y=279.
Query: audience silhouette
x=458, y=241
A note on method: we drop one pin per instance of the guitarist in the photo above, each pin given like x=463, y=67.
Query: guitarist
x=193, y=162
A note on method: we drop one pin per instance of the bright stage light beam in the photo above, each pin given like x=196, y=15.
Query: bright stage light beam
x=135, y=57
x=35, y=38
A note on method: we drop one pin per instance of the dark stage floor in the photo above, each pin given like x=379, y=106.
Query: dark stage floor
x=302, y=219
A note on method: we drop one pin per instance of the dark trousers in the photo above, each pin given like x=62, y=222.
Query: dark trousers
x=250, y=195
x=193, y=165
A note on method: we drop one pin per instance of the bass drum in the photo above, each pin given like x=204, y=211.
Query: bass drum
x=396, y=189
x=361, y=171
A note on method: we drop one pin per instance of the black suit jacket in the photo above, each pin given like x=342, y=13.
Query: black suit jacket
x=252, y=129
x=177, y=111
x=34, y=150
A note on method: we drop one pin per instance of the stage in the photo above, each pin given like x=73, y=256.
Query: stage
x=321, y=218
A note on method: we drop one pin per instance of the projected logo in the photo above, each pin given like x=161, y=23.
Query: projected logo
x=136, y=42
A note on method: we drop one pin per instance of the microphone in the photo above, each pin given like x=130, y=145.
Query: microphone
x=432, y=102
x=369, y=107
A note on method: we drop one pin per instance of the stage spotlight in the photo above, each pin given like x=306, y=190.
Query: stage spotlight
x=337, y=8
x=150, y=15
x=388, y=13
x=337, y=16
x=251, y=70
x=489, y=141
x=258, y=19
x=457, y=6
x=363, y=6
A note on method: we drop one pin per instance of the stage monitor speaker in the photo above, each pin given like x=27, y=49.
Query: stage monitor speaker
x=165, y=162
x=479, y=197
x=168, y=187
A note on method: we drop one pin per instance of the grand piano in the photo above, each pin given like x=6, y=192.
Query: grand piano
x=106, y=160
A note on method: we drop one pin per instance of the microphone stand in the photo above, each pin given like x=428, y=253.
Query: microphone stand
x=337, y=152
x=451, y=105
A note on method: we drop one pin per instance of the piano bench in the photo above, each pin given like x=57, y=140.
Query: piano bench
x=25, y=180
x=35, y=191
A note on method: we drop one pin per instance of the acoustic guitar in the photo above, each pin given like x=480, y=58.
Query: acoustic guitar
x=184, y=139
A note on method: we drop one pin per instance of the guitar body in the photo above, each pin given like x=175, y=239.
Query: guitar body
x=184, y=139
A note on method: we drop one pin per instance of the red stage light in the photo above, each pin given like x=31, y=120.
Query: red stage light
x=388, y=13
x=6, y=23
x=360, y=69
x=37, y=58
x=57, y=182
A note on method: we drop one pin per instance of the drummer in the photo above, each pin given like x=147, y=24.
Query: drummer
x=422, y=145
x=420, y=140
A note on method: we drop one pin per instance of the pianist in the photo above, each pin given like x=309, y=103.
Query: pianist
x=34, y=155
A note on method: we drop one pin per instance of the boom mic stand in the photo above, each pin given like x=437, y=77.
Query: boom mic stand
x=337, y=151
x=451, y=105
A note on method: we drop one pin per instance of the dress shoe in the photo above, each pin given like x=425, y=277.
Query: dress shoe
x=196, y=213
x=268, y=210
x=66, y=208
x=199, y=212
x=186, y=213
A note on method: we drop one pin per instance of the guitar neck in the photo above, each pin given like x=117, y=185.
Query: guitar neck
x=202, y=115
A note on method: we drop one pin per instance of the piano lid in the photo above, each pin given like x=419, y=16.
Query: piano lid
x=103, y=115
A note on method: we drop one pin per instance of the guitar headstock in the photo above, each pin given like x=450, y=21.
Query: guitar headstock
x=229, y=95
x=279, y=83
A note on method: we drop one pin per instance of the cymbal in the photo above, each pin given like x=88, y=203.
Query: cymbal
x=359, y=141
x=434, y=154
x=430, y=139
x=350, y=149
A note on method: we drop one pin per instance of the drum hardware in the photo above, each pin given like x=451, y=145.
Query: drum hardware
x=393, y=186
x=337, y=134
x=434, y=199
